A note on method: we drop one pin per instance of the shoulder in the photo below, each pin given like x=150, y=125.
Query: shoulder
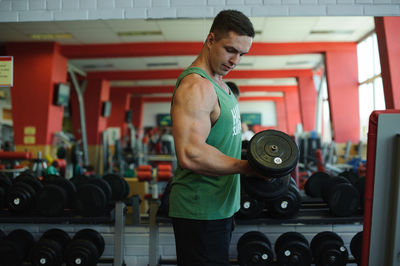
x=196, y=87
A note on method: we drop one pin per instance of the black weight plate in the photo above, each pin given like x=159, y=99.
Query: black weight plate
x=117, y=186
x=51, y=201
x=24, y=239
x=344, y=200
x=285, y=206
x=292, y=249
x=330, y=253
x=2, y=235
x=350, y=175
x=103, y=184
x=252, y=236
x=328, y=186
x=127, y=188
x=273, y=153
x=2, y=198
x=296, y=191
x=10, y=254
x=46, y=252
x=356, y=246
x=250, y=207
x=313, y=185
x=255, y=253
x=79, y=180
x=91, y=200
x=80, y=252
x=20, y=198
x=70, y=188
x=93, y=236
x=58, y=235
x=5, y=181
x=32, y=180
x=262, y=189
x=318, y=240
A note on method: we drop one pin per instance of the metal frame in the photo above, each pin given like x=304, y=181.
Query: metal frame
x=119, y=231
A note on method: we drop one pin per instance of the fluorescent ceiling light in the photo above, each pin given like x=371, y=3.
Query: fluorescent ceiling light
x=51, y=36
x=139, y=33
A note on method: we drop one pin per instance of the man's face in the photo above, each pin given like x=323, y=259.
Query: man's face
x=225, y=54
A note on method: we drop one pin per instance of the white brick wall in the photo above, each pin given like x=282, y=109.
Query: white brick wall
x=120, y=9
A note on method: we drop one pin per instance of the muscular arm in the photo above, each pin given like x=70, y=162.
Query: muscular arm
x=193, y=105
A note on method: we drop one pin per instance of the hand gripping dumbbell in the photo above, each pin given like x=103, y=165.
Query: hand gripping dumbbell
x=292, y=249
x=21, y=194
x=14, y=248
x=57, y=195
x=328, y=249
x=254, y=248
x=356, y=247
x=272, y=154
x=85, y=248
x=49, y=250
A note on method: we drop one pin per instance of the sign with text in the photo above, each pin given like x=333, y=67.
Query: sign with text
x=6, y=71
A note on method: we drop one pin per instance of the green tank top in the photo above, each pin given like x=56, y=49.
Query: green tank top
x=200, y=197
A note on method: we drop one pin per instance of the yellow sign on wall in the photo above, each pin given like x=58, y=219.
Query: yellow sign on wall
x=30, y=130
x=29, y=140
x=6, y=71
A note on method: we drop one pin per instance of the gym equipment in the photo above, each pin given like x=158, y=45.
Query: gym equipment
x=5, y=183
x=48, y=251
x=292, y=249
x=92, y=199
x=57, y=194
x=272, y=153
x=313, y=186
x=342, y=197
x=254, y=248
x=356, y=247
x=250, y=207
x=85, y=248
x=286, y=205
x=328, y=249
x=119, y=186
x=14, y=248
x=265, y=189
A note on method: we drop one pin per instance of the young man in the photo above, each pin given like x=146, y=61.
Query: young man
x=206, y=127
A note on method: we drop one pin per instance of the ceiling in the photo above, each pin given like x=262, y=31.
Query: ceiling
x=269, y=30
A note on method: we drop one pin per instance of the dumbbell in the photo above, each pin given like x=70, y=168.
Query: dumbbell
x=313, y=185
x=350, y=175
x=286, y=205
x=49, y=250
x=272, y=154
x=119, y=186
x=2, y=235
x=250, y=207
x=93, y=197
x=356, y=247
x=85, y=248
x=5, y=183
x=21, y=194
x=14, y=248
x=57, y=195
x=254, y=248
x=342, y=197
x=328, y=249
x=292, y=249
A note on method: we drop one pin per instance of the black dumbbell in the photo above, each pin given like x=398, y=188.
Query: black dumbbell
x=356, y=247
x=360, y=186
x=254, y=248
x=57, y=195
x=250, y=207
x=350, y=175
x=313, y=185
x=14, y=248
x=21, y=194
x=286, y=205
x=265, y=189
x=2, y=235
x=93, y=197
x=49, y=250
x=342, y=197
x=292, y=249
x=119, y=186
x=85, y=248
x=5, y=183
x=328, y=249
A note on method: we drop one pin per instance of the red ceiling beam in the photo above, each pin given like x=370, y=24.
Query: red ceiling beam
x=192, y=48
x=174, y=73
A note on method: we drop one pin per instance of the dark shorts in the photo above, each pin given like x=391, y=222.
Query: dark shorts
x=203, y=242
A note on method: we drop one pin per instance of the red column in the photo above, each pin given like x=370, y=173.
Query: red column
x=308, y=100
x=281, y=117
x=137, y=107
x=342, y=80
x=292, y=109
x=38, y=67
x=120, y=101
x=388, y=33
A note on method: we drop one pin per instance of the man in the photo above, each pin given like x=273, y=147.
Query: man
x=206, y=126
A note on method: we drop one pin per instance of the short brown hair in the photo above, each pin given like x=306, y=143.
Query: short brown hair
x=232, y=20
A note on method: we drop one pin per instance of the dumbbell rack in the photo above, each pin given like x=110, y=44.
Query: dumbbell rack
x=116, y=216
x=312, y=211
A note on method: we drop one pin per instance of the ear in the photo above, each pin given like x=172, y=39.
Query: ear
x=210, y=39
